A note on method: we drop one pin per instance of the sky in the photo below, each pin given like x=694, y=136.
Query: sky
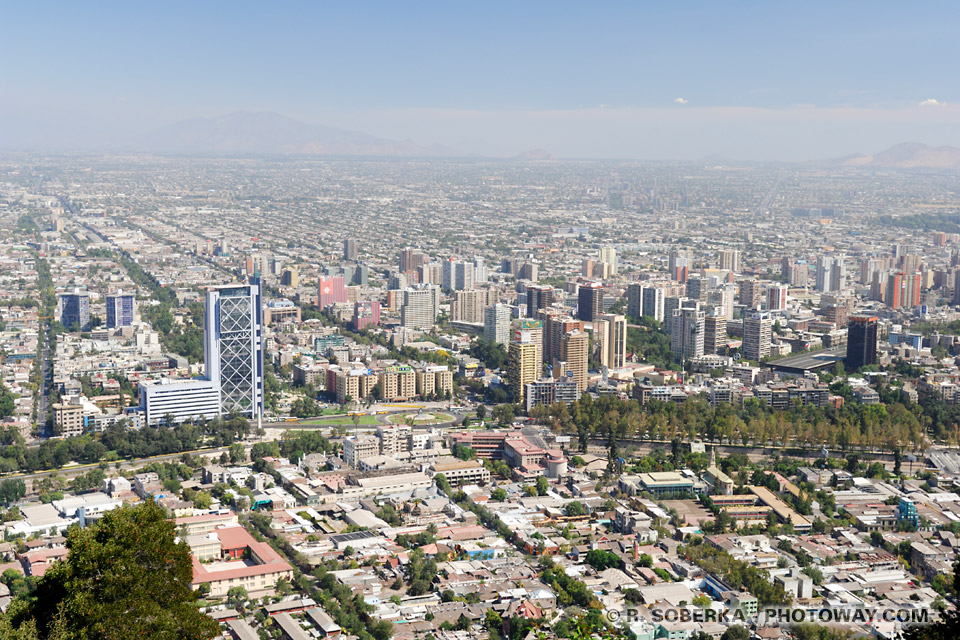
x=643, y=80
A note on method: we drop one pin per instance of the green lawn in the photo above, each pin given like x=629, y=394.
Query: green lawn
x=343, y=419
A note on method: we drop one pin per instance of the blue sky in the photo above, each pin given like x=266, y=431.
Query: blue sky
x=576, y=78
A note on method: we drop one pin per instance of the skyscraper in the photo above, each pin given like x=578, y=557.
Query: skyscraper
x=715, y=331
x=614, y=339
x=730, y=260
x=750, y=293
x=575, y=352
x=350, y=249
x=365, y=314
x=75, y=309
x=330, y=290
x=420, y=307
x=120, y=310
x=777, y=298
x=538, y=297
x=862, y=342
x=652, y=304
x=468, y=306
x=233, y=346
x=496, y=324
x=590, y=301
x=609, y=255
x=757, y=334
x=687, y=333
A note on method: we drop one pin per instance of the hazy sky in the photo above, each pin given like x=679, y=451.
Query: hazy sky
x=759, y=80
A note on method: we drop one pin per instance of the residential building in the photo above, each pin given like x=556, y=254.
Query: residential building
x=757, y=334
x=687, y=333
x=357, y=448
x=575, y=352
x=613, y=339
x=590, y=301
x=331, y=290
x=496, y=324
x=421, y=305
x=67, y=420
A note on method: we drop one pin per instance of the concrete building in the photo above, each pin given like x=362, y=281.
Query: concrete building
x=178, y=400
x=75, y=309
x=398, y=383
x=590, y=301
x=121, y=309
x=757, y=334
x=468, y=306
x=614, y=340
x=421, y=305
x=67, y=420
x=496, y=324
x=687, y=333
x=357, y=448
x=331, y=290
x=575, y=352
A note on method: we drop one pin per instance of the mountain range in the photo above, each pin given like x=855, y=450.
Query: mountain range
x=908, y=155
x=245, y=132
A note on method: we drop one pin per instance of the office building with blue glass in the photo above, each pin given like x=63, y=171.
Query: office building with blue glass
x=120, y=310
x=75, y=309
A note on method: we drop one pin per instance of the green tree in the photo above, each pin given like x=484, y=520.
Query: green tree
x=124, y=577
x=736, y=632
x=575, y=509
x=12, y=489
x=498, y=495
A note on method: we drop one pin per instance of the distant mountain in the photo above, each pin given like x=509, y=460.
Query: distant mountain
x=245, y=132
x=534, y=154
x=909, y=155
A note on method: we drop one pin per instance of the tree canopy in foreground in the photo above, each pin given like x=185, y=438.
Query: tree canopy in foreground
x=124, y=577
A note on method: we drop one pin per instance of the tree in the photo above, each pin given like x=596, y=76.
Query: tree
x=481, y=412
x=237, y=597
x=498, y=495
x=574, y=509
x=543, y=486
x=202, y=500
x=237, y=453
x=124, y=577
x=12, y=489
x=736, y=632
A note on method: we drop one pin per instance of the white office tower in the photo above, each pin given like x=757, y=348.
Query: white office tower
x=687, y=335
x=420, y=307
x=496, y=324
x=169, y=401
x=233, y=346
x=757, y=334
x=609, y=256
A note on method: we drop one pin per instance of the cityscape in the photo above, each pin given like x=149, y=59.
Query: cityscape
x=264, y=379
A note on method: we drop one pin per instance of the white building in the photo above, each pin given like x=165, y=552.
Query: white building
x=182, y=400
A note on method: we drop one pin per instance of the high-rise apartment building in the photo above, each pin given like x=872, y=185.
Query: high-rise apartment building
x=75, y=309
x=757, y=334
x=366, y=313
x=777, y=298
x=862, y=341
x=575, y=352
x=233, y=346
x=715, y=331
x=468, y=306
x=687, y=333
x=420, y=307
x=750, y=294
x=121, y=308
x=590, y=301
x=652, y=303
x=290, y=277
x=330, y=290
x=608, y=255
x=524, y=363
x=614, y=340
x=896, y=291
x=697, y=288
x=412, y=260
x=350, y=249
x=831, y=274
x=529, y=271
x=730, y=260
x=496, y=324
